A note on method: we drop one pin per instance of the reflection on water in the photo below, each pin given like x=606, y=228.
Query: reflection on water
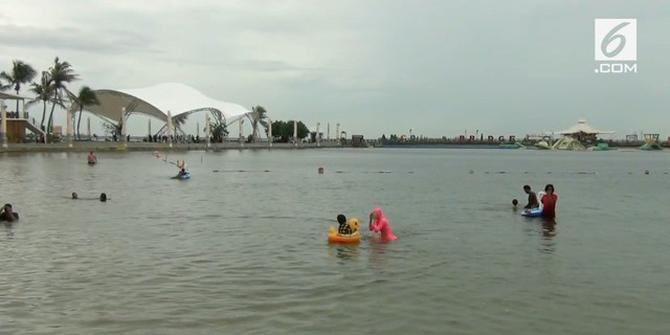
x=548, y=234
x=546, y=229
x=344, y=252
x=378, y=253
x=9, y=229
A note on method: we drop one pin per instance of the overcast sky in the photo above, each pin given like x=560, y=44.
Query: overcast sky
x=438, y=67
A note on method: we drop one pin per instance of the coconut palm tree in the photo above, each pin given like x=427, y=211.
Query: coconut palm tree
x=258, y=116
x=60, y=74
x=21, y=73
x=43, y=92
x=217, y=128
x=86, y=97
x=179, y=120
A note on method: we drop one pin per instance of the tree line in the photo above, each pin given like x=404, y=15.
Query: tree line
x=50, y=88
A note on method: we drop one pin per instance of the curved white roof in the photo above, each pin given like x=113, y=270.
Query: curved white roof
x=583, y=127
x=157, y=100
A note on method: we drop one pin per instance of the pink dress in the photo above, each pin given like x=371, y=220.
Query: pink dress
x=381, y=225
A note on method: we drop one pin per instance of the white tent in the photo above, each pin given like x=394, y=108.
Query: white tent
x=156, y=101
x=583, y=127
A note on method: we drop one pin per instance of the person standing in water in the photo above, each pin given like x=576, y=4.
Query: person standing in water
x=379, y=223
x=532, y=198
x=549, y=201
x=91, y=158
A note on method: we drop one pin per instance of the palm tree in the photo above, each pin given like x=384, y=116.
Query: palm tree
x=43, y=92
x=21, y=73
x=258, y=116
x=179, y=120
x=60, y=74
x=217, y=128
x=86, y=97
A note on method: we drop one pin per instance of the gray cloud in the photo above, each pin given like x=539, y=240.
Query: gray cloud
x=439, y=67
x=72, y=38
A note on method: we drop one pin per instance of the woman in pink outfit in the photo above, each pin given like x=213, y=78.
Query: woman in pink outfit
x=379, y=224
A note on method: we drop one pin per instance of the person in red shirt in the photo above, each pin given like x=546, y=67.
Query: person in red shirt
x=549, y=201
x=91, y=158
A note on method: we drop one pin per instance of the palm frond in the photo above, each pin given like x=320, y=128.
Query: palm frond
x=179, y=120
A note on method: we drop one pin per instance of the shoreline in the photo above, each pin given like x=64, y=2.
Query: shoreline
x=147, y=146
x=150, y=146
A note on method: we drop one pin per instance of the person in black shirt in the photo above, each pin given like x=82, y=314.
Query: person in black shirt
x=344, y=228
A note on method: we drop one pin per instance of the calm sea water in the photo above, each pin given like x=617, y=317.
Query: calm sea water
x=243, y=250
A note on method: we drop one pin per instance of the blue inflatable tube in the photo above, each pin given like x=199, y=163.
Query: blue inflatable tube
x=532, y=213
x=184, y=176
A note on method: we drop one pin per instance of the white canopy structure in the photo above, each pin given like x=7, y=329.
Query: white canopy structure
x=578, y=137
x=584, y=128
x=156, y=101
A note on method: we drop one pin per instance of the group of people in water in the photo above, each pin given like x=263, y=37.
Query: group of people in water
x=547, y=201
x=377, y=223
x=102, y=197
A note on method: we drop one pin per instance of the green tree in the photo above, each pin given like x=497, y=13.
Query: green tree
x=278, y=130
x=43, y=92
x=86, y=97
x=218, y=129
x=284, y=130
x=60, y=74
x=21, y=73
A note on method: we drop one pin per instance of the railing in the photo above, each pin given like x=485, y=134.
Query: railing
x=14, y=115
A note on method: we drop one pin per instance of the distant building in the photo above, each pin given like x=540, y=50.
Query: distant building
x=583, y=133
x=578, y=137
x=357, y=141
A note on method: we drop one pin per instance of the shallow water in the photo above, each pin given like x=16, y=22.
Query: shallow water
x=243, y=250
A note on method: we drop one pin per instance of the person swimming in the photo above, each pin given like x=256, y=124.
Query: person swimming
x=103, y=197
x=515, y=203
x=379, y=223
x=8, y=213
x=343, y=228
x=75, y=196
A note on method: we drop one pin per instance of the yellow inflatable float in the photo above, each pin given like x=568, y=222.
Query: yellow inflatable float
x=354, y=237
